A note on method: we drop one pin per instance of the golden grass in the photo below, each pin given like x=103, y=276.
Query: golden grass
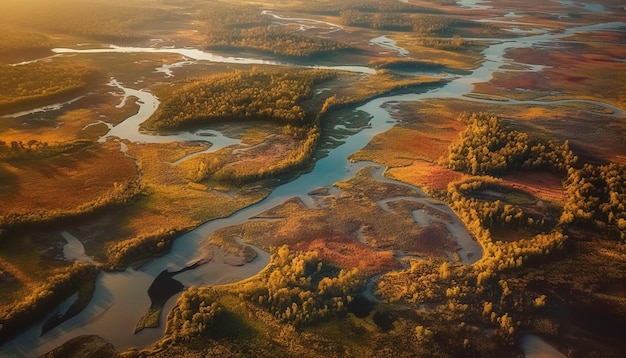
x=428, y=176
x=464, y=60
x=67, y=127
x=425, y=132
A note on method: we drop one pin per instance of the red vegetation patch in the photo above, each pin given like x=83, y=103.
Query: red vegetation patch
x=426, y=175
x=571, y=69
x=543, y=185
x=347, y=253
x=273, y=150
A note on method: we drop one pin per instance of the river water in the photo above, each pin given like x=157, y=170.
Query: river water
x=121, y=298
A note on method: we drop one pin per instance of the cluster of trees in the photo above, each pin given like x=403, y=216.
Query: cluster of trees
x=239, y=95
x=274, y=41
x=43, y=298
x=596, y=196
x=297, y=287
x=452, y=44
x=34, y=82
x=120, y=254
x=422, y=24
x=36, y=149
x=487, y=147
x=239, y=27
x=196, y=313
x=480, y=216
x=464, y=195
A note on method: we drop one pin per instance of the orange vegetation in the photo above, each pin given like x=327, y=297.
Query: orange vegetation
x=65, y=181
x=263, y=155
x=571, y=70
x=429, y=176
x=425, y=133
x=543, y=185
x=347, y=253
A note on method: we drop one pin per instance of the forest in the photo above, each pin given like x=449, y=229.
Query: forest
x=41, y=82
x=596, y=197
x=242, y=96
x=487, y=146
x=296, y=288
x=15, y=39
x=246, y=28
x=421, y=24
x=595, y=194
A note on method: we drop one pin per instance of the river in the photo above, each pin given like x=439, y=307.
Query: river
x=121, y=298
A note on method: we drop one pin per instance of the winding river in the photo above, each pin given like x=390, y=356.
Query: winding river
x=121, y=298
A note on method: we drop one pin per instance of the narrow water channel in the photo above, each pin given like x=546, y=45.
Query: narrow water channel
x=121, y=297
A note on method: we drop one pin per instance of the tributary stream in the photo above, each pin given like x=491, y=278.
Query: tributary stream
x=121, y=298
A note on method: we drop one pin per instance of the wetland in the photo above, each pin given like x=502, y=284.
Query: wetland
x=272, y=179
